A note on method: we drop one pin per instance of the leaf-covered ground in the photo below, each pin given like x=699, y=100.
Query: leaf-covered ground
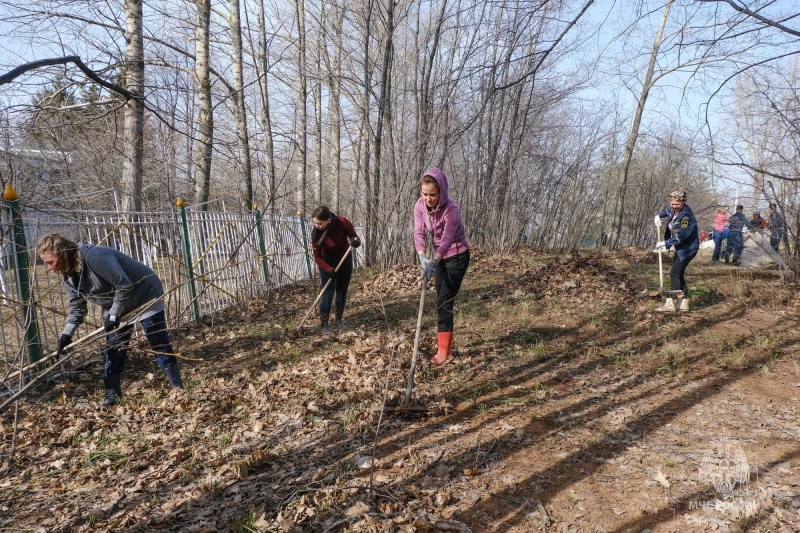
x=570, y=406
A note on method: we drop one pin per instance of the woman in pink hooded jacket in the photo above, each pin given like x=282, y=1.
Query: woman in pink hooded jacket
x=439, y=217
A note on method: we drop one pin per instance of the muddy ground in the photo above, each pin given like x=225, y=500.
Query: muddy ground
x=570, y=406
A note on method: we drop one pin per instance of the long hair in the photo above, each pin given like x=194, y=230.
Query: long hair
x=63, y=248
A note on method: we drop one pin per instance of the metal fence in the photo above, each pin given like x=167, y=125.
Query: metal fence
x=207, y=262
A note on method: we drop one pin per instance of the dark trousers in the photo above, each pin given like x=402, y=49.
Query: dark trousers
x=155, y=328
x=775, y=238
x=735, y=245
x=337, y=290
x=718, y=237
x=450, y=273
x=677, y=280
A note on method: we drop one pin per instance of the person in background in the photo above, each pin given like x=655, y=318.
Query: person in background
x=118, y=284
x=735, y=245
x=437, y=215
x=757, y=222
x=775, y=227
x=718, y=233
x=702, y=236
x=681, y=233
x=330, y=239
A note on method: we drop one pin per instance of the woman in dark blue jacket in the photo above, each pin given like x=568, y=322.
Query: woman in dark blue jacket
x=682, y=234
x=118, y=284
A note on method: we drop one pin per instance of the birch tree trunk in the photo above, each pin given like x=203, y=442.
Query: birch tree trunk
x=633, y=135
x=262, y=68
x=244, y=166
x=334, y=69
x=302, y=96
x=205, y=112
x=383, y=111
x=134, y=109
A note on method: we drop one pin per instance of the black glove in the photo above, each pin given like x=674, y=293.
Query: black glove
x=110, y=323
x=61, y=346
x=332, y=274
x=355, y=243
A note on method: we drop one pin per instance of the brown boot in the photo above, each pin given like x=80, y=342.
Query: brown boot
x=444, y=339
x=337, y=318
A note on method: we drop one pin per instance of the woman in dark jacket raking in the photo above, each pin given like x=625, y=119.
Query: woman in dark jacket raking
x=331, y=237
x=118, y=284
x=681, y=233
x=437, y=215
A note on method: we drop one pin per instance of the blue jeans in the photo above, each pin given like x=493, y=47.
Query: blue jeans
x=717, y=237
x=775, y=238
x=155, y=328
x=735, y=246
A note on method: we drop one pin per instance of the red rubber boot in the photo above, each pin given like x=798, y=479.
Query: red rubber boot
x=445, y=351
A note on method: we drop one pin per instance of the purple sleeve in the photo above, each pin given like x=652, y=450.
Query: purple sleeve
x=419, y=226
x=452, y=222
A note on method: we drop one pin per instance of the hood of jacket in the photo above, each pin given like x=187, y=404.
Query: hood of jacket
x=437, y=174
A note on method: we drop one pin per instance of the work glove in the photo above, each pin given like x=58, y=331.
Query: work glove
x=61, y=346
x=657, y=221
x=110, y=323
x=355, y=243
x=661, y=245
x=428, y=272
x=332, y=274
x=423, y=259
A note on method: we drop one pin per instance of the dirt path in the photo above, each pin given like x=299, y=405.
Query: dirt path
x=571, y=406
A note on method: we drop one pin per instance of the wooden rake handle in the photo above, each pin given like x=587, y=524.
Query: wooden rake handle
x=349, y=249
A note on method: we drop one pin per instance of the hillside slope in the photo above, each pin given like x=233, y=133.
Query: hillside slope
x=570, y=406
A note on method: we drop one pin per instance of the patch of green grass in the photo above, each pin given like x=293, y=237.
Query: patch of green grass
x=733, y=357
x=246, y=523
x=100, y=455
x=673, y=366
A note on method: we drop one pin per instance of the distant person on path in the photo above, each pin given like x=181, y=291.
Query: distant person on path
x=737, y=223
x=718, y=235
x=331, y=237
x=775, y=227
x=757, y=222
x=118, y=284
x=682, y=234
x=436, y=215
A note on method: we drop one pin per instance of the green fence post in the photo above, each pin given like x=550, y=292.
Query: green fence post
x=33, y=341
x=305, y=243
x=186, y=246
x=262, y=247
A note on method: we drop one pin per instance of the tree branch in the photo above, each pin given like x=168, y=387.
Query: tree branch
x=769, y=22
x=92, y=75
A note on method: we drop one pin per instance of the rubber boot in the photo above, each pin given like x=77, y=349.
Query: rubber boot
x=444, y=340
x=323, y=322
x=113, y=390
x=174, y=375
x=683, y=304
x=670, y=306
x=337, y=318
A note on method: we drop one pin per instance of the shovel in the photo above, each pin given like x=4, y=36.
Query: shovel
x=349, y=249
x=670, y=294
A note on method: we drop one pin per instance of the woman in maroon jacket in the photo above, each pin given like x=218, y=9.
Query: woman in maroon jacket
x=331, y=237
